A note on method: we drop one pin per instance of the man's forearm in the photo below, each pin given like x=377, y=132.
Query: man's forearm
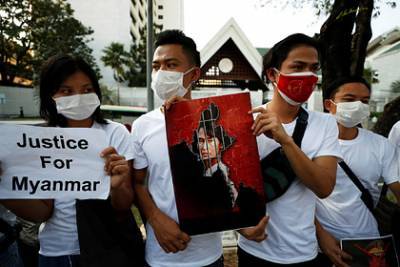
x=315, y=177
x=146, y=202
x=34, y=210
x=122, y=197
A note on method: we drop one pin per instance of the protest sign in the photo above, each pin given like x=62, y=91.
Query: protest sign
x=46, y=162
x=215, y=164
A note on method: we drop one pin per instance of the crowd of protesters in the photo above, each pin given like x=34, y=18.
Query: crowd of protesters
x=302, y=227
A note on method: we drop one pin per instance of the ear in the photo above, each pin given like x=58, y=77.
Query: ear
x=328, y=105
x=196, y=74
x=271, y=74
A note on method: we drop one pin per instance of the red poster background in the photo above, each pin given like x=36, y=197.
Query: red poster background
x=242, y=158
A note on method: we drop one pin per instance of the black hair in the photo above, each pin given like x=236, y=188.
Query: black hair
x=334, y=86
x=279, y=52
x=208, y=120
x=178, y=37
x=390, y=115
x=53, y=73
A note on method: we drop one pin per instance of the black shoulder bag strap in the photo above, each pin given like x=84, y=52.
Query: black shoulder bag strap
x=300, y=128
x=366, y=196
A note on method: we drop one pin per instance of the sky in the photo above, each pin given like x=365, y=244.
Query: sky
x=264, y=25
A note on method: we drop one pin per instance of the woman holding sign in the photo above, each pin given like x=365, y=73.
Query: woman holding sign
x=84, y=232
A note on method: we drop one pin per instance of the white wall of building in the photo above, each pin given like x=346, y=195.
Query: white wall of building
x=139, y=16
x=167, y=13
x=387, y=66
x=110, y=21
x=172, y=14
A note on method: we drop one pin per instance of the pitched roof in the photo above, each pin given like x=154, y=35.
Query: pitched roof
x=231, y=30
x=379, y=45
x=396, y=47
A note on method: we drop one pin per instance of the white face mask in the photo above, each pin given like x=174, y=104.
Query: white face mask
x=167, y=84
x=349, y=114
x=77, y=107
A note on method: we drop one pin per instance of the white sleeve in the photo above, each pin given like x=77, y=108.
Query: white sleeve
x=330, y=144
x=120, y=140
x=394, y=134
x=140, y=159
x=390, y=164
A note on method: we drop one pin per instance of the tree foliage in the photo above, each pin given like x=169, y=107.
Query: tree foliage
x=34, y=30
x=323, y=7
x=395, y=86
x=115, y=57
x=128, y=66
x=15, y=42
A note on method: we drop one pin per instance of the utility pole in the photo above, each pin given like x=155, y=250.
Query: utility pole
x=149, y=57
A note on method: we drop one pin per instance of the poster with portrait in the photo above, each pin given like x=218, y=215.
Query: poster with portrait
x=215, y=164
x=371, y=252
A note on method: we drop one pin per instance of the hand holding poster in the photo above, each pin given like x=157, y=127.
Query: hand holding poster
x=45, y=163
x=215, y=164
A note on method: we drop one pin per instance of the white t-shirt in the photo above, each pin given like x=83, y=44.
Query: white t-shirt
x=394, y=134
x=394, y=138
x=151, y=151
x=343, y=213
x=59, y=236
x=291, y=231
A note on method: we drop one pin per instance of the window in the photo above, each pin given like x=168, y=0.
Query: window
x=141, y=16
x=133, y=37
x=160, y=16
x=213, y=71
x=133, y=18
x=160, y=7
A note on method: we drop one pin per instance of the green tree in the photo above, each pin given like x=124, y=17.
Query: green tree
x=137, y=67
x=130, y=66
x=395, y=86
x=57, y=31
x=15, y=44
x=115, y=57
x=34, y=30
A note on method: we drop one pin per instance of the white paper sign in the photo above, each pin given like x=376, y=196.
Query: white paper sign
x=45, y=162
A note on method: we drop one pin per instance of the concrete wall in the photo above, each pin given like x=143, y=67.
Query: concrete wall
x=13, y=98
x=137, y=96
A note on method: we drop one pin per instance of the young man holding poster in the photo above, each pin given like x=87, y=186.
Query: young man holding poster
x=291, y=67
x=369, y=157
x=176, y=66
